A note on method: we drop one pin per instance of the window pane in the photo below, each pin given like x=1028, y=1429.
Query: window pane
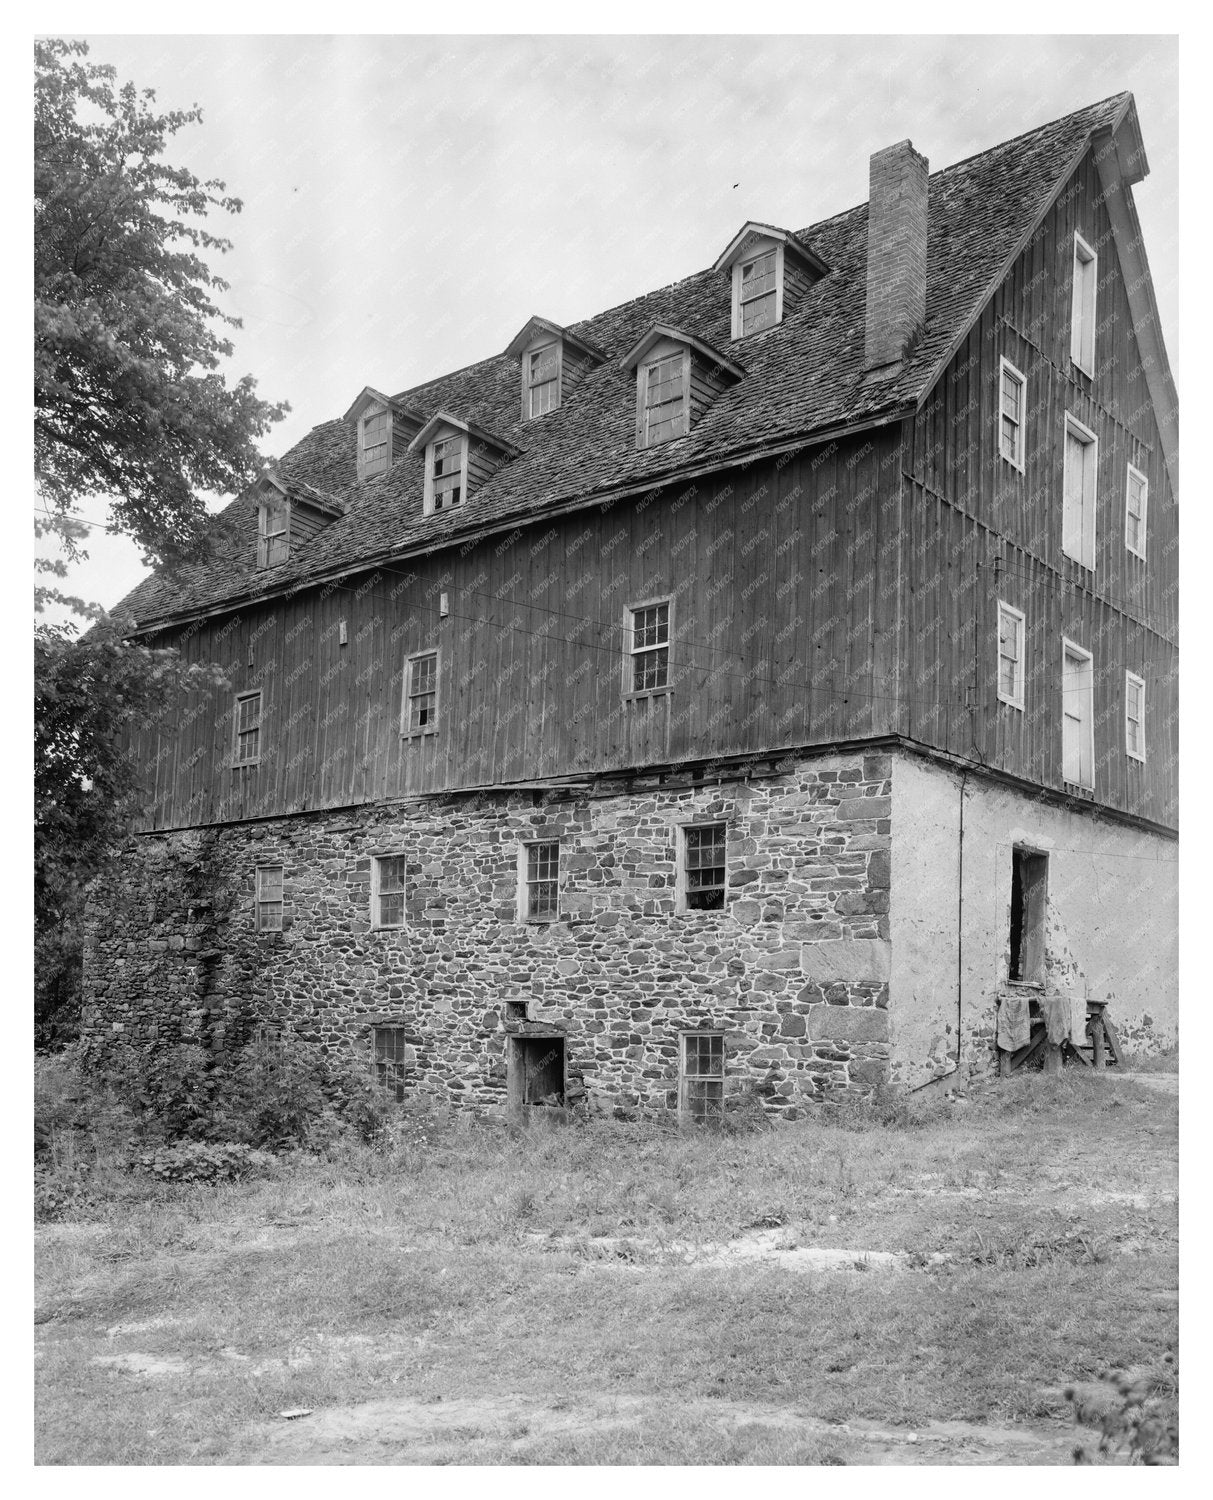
x=425, y=671
x=391, y=873
x=250, y=711
x=545, y=365
x=651, y=670
x=758, y=314
x=269, y=882
x=269, y=916
x=758, y=277
x=391, y=909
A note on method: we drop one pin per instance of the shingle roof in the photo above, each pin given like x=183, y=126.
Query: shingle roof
x=803, y=377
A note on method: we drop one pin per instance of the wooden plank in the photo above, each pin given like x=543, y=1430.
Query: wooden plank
x=1026, y=1054
x=1096, y=1025
x=1113, y=1041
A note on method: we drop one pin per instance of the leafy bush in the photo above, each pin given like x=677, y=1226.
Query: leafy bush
x=1137, y=1418
x=201, y=1161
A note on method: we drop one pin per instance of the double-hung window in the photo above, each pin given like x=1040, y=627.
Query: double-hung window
x=649, y=648
x=1078, y=493
x=701, y=1091
x=1010, y=655
x=543, y=379
x=273, y=535
x=421, y=694
x=1078, y=716
x=1082, y=321
x=1012, y=387
x=446, y=471
x=390, y=1058
x=247, y=745
x=703, y=873
x=541, y=882
x=757, y=292
x=665, y=399
x=1137, y=494
x=1135, y=716
x=387, y=890
x=269, y=898
x=374, y=444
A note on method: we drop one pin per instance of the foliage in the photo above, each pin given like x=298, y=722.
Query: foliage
x=200, y=1161
x=1138, y=1422
x=128, y=401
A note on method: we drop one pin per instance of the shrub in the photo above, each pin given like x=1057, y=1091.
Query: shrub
x=201, y=1161
x=1137, y=1420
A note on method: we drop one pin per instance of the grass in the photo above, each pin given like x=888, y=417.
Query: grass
x=458, y=1271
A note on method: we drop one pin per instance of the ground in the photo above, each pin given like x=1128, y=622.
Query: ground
x=612, y=1293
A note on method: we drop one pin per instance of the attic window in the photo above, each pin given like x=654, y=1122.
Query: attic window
x=1082, y=324
x=273, y=533
x=542, y=380
x=757, y=292
x=666, y=391
x=374, y=446
x=444, y=471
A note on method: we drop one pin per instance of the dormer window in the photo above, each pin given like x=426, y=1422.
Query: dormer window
x=459, y=458
x=771, y=271
x=374, y=450
x=273, y=533
x=543, y=379
x=677, y=377
x=446, y=460
x=385, y=429
x=553, y=361
x=757, y=293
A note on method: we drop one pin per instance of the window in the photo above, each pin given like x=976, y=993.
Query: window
x=1078, y=718
x=248, y=729
x=665, y=400
x=269, y=898
x=701, y=1091
x=444, y=480
x=1029, y=889
x=1012, y=388
x=543, y=380
x=757, y=293
x=374, y=443
x=273, y=534
x=421, y=694
x=390, y=1055
x=1135, y=716
x=1082, y=325
x=1078, y=495
x=703, y=868
x=1137, y=493
x=540, y=882
x=650, y=648
x=1010, y=655
x=387, y=890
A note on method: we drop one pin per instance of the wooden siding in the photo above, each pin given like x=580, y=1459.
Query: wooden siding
x=707, y=382
x=796, y=282
x=783, y=576
x=978, y=530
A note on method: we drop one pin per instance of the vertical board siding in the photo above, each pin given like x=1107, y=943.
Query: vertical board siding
x=978, y=530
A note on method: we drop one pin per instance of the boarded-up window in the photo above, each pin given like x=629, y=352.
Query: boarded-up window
x=665, y=400
x=1012, y=386
x=1137, y=493
x=374, y=444
x=542, y=901
x=1082, y=327
x=273, y=535
x=1010, y=655
x=757, y=294
x=702, y=1083
x=422, y=694
x=248, y=728
x=650, y=647
x=269, y=898
x=1078, y=501
x=703, y=852
x=1135, y=716
x=1029, y=890
x=1078, y=716
x=390, y=1052
x=387, y=890
x=543, y=380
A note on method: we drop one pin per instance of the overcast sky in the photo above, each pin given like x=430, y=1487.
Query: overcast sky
x=410, y=201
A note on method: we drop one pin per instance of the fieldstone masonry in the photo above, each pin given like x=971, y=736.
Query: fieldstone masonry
x=794, y=971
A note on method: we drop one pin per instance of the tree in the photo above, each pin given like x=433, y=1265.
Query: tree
x=127, y=400
x=129, y=404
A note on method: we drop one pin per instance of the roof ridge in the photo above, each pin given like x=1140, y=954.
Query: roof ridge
x=1036, y=130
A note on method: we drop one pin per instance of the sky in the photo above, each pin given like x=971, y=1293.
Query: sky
x=410, y=201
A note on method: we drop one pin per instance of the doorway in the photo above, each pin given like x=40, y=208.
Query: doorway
x=536, y=1072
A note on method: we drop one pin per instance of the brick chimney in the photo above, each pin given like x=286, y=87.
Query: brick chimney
x=897, y=254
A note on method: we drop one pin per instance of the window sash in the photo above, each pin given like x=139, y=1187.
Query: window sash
x=756, y=295
x=1135, y=712
x=269, y=898
x=248, y=728
x=704, y=864
x=703, y=1076
x=665, y=399
x=375, y=440
x=1010, y=656
x=389, y=890
x=650, y=650
x=1082, y=329
x=543, y=380
x=1137, y=490
x=1078, y=685
x=542, y=879
x=1078, y=495
x=389, y=1048
x=1011, y=413
x=423, y=693
x=274, y=530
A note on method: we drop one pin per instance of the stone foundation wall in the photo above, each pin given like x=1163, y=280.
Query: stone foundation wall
x=794, y=970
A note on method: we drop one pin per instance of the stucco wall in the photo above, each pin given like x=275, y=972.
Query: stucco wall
x=794, y=970
x=1111, y=931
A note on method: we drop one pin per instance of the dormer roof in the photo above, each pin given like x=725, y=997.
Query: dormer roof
x=752, y=230
x=536, y=327
x=442, y=419
x=369, y=396
x=271, y=487
x=660, y=331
